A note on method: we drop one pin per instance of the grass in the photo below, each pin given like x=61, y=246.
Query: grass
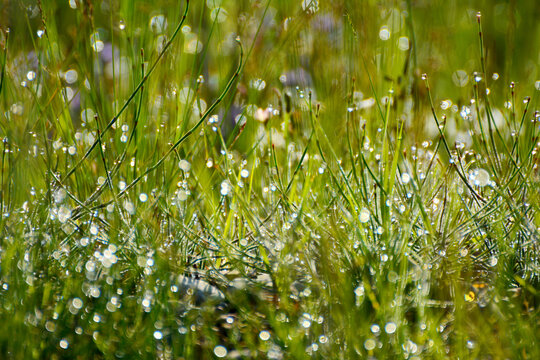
x=269, y=179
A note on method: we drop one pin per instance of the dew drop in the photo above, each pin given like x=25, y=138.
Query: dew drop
x=460, y=78
x=306, y=323
x=364, y=216
x=390, y=328
x=403, y=43
x=77, y=303
x=257, y=84
x=96, y=43
x=71, y=76
x=264, y=335
x=225, y=188
x=129, y=207
x=64, y=214
x=94, y=229
x=158, y=24
x=384, y=33
x=479, y=177
x=310, y=6
x=369, y=344
x=405, y=178
x=220, y=351
x=184, y=165
x=182, y=195
x=64, y=344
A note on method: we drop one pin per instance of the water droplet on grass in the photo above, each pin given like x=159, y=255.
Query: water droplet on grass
x=369, y=344
x=306, y=323
x=194, y=46
x=405, y=178
x=479, y=177
x=446, y=104
x=220, y=351
x=158, y=24
x=384, y=33
x=77, y=303
x=310, y=6
x=460, y=78
x=64, y=214
x=64, y=344
x=264, y=335
x=257, y=84
x=390, y=328
x=182, y=195
x=403, y=43
x=96, y=43
x=225, y=188
x=218, y=15
x=184, y=165
x=129, y=207
x=71, y=76
x=364, y=216
x=94, y=229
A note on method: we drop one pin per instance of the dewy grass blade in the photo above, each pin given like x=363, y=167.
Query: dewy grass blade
x=195, y=127
x=133, y=94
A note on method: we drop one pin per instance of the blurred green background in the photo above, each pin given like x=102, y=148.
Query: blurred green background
x=328, y=42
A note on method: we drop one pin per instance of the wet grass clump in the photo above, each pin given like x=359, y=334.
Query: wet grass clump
x=269, y=179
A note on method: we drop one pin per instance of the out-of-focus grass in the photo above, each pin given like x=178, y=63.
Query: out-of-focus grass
x=280, y=179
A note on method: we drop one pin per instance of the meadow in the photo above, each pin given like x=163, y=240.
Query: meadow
x=269, y=179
